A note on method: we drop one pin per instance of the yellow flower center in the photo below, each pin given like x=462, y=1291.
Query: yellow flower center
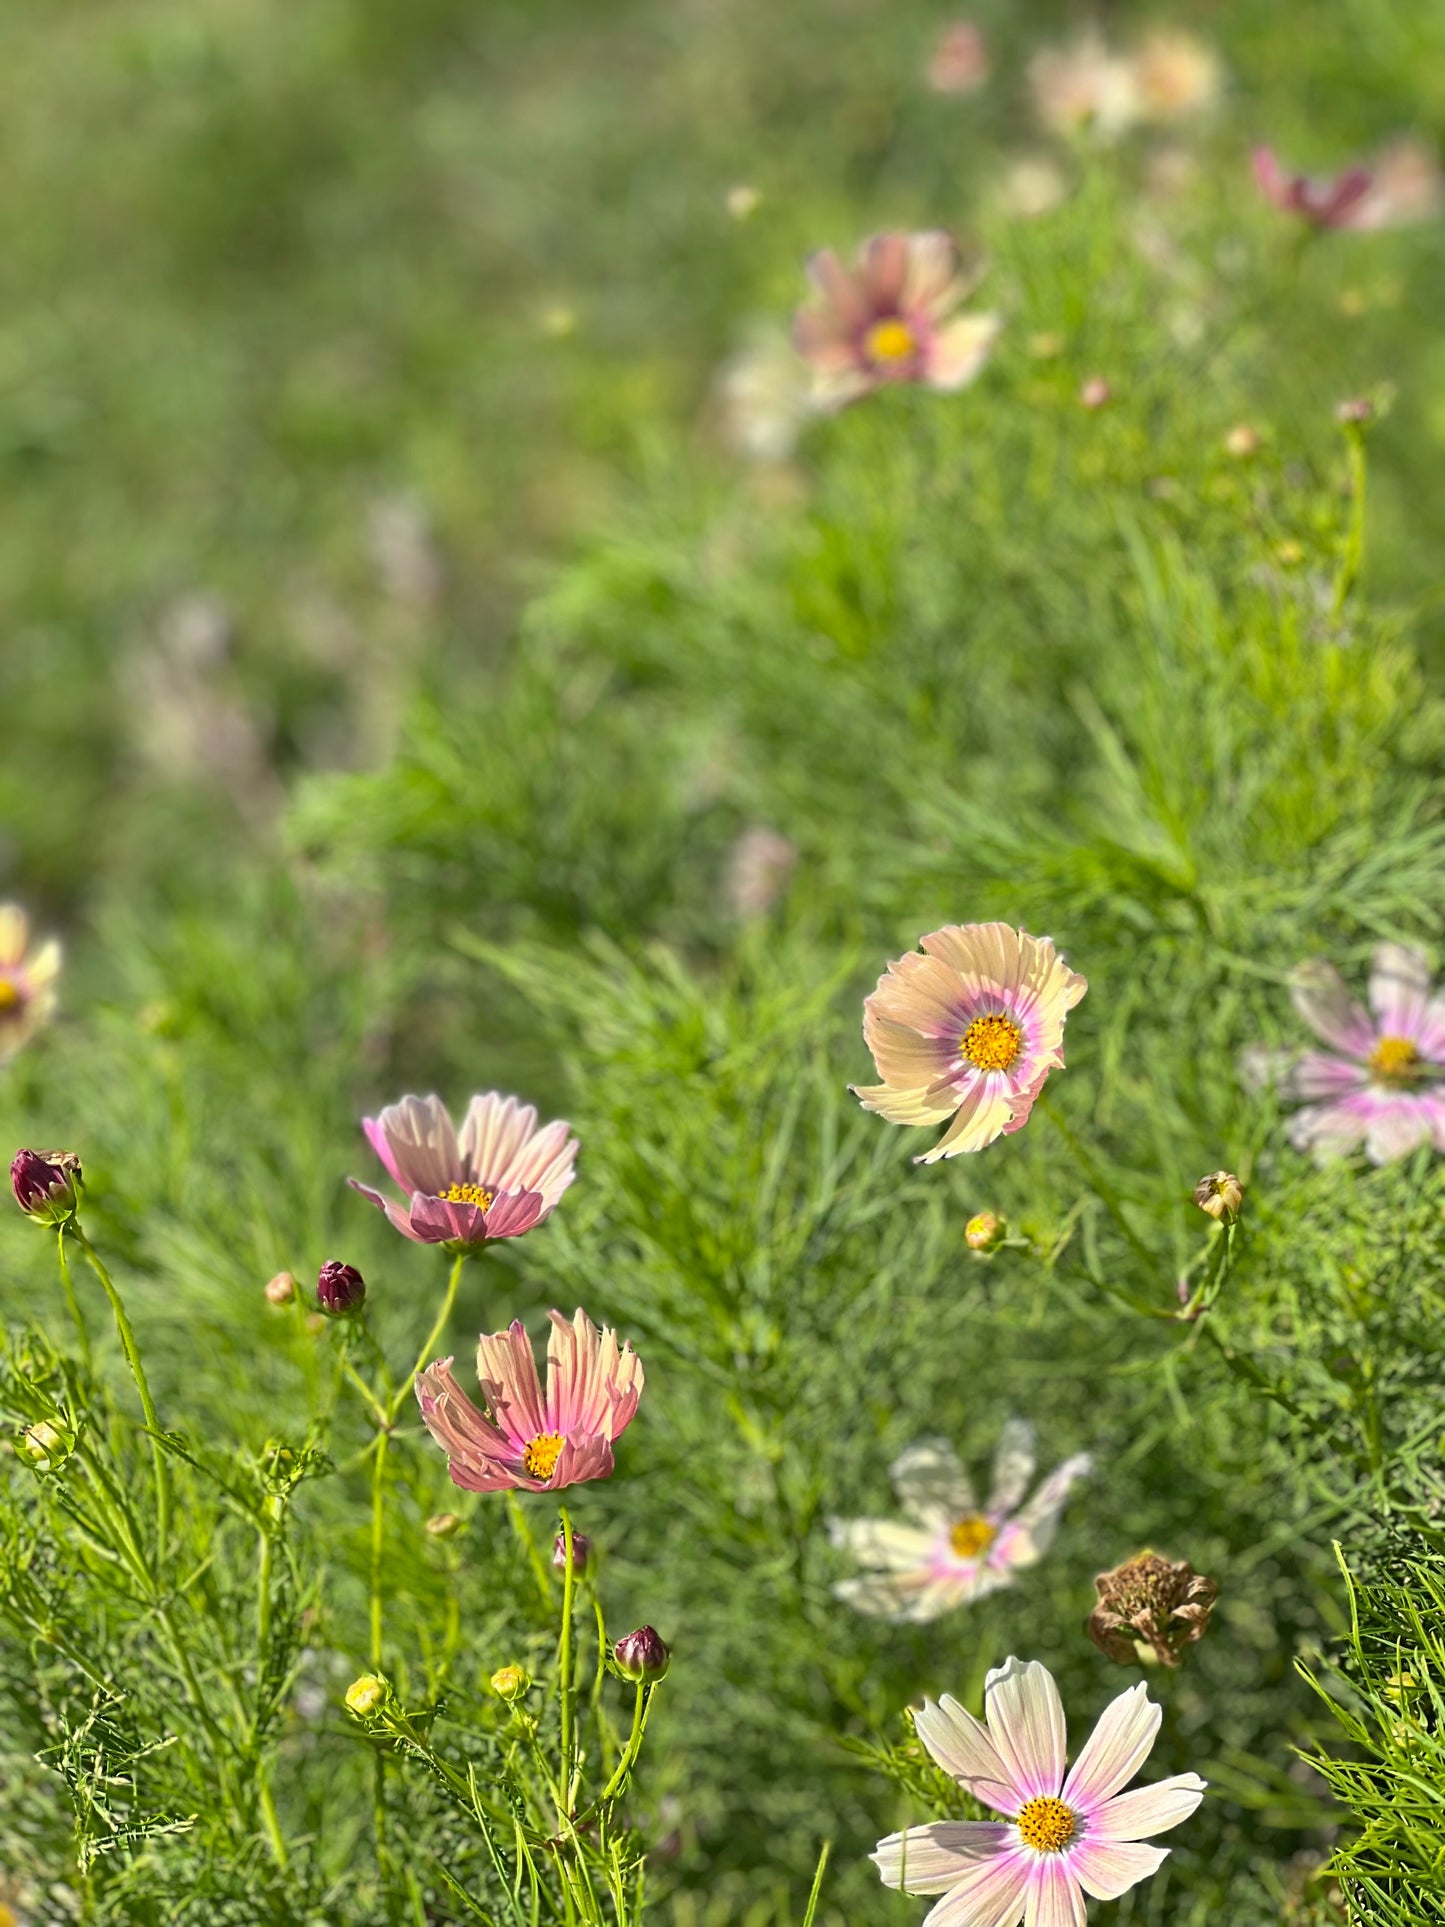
x=539, y=1460
x=1395, y=1060
x=1046, y=1825
x=467, y=1194
x=992, y=1043
x=890, y=340
x=971, y=1536
x=9, y=993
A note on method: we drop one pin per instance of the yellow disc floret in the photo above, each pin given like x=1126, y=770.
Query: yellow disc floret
x=889, y=340
x=539, y=1460
x=9, y=993
x=992, y=1043
x=467, y=1194
x=1046, y=1825
x=1395, y=1060
x=971, y=1536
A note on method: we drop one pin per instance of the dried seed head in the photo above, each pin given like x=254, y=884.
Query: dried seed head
x=1220, y=1194
x=1150, y=1608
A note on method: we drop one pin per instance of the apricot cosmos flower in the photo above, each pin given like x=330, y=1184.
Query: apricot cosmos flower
x=1060, y=1836
x=528, y=1440
x=968, y=1030
x=1382, y=1083
x=888, y=319
x=27, y=980
x=496, y=1177
x=948, y=1550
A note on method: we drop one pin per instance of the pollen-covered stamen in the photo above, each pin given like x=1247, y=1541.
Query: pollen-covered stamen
x=467, y=1194
x=971, y=1536
x=1396, y=1060
x=891, y=340
x=992, y=1043
x=539, y=1461
x=1046, y=1824
x=11, y=994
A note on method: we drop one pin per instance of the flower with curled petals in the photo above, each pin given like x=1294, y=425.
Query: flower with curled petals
x=968, y=1031
x=28, y=972
x=891, y=319
x=1060, y=1834
x=496, y=1177
x=1382, y=1082
x=948, y=1550
x=1324, y=201
x=528, y=1440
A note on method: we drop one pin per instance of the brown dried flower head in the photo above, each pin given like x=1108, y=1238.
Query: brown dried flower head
x=1220, y=1194
x=1150, y=1608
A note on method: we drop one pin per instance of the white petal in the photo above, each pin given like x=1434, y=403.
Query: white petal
x=883, y=1543
x=1148, y=1809
x=1013, y=1465
x=1054, y=1897
x=933, y=1858
x=1115, y=1750
x=932, y=1486
x=962, y=1747
x=1026, y=1724
x=1108, y=1868
x=1040, y=1517
x=991, y=1897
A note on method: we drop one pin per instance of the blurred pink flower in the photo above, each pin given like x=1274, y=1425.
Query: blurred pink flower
x=968, y=1030
x=1406, y=186
x=947, y=1550
x=1324, y=201
x=759, y=865
x=28, y=972
x=1084, y=87
x=888, y=319
x=495, y=1178
x=526, y=1440
x=959, y=63
x=1381, y=1082
x=1059, y=1838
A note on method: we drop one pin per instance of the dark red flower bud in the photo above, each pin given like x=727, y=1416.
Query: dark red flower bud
x=641, y=1655
x=46, y=1184
x=581, y=1551
x=339, y=1288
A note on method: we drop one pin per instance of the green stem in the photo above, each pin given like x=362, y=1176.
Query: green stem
x=70, y=1298
x=137, y=1371
x=429, y=1343
x=1349, y=569
x=378, y=1541
x=633, y=1746
x=564, y=1663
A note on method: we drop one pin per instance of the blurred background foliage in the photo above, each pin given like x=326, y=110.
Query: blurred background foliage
x=407, y=684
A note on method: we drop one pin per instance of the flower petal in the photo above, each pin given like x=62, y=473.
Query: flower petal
x=956, y=354
x=931, y=1859
x=508, y=1373
x=593, y=1384
x=1115, y=1750
x=932, y=1486
x=963, y=1747
x=1053, y=1897
x=1035, y=1525
x=1147, y=1810
x=1318, y=993
x=1026, y=1723
x=934, y=280
x=985, y=1112
x=885, y=1544
x=1400, y=989
x=1108, y=1868
x=1013, y=1466
x=415, y=1141
x=991, y=1897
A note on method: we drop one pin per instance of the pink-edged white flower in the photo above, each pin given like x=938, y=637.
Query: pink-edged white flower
x=529, y=1440
x=891, y=319
x=496, y=1177
x=1382, y=1083
x=949, y=1550
x=1061, y=1835
x=967, y=1030
x=28, y=974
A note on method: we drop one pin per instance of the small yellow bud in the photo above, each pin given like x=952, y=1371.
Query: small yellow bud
x=40, y=1445
x=983, y=1231
x=510, y=1682
x=366, y=1694
x=1242, y=441
x=442, y=1525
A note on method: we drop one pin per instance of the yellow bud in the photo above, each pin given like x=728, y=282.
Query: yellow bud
x=366, y=1694
x=510, y=1682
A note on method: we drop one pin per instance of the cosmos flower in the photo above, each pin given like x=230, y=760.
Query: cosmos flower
x=968, y=1030
x=495, y=1178
x=1150, y=1608
x=27, y=980
x=891, y=319
x=1406, y=186
x=762, y=397
x=1324, y=201
x=1175, y=76
x=1380, y=1083
x=1083, y=86
x=1060, y=1836
x=959, y=63
x=526, y=1440
x=950, y=1551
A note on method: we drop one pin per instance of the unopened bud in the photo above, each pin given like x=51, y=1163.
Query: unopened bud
x=1095, y=393
x=340, y=1288
x=1356, y=412
x=1242, y=441
x=43, y=1445
x=1220, y=1194
x=983, y=1231
x=1150, y=1608
x=581, y=1551
x=510, y=1682
x=46, y=1185
x=742, y=201
x=281, y=1289
x=441, y=1525
x=366, y=1694
x=641, y=1655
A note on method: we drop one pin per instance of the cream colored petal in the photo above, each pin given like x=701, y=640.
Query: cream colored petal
x=933, y=280
x=958, y=351
x=983, y=1115
x=14, y=933
x=902, y=1107
x=1013, y=1466
x=1026, y=1724
x=884, y=1543
x=932, y=1486
x=963, y=1747
x=933, y=1859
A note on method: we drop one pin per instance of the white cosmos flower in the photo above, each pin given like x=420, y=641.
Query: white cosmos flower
x=947, y=1550
x=1060, y=1836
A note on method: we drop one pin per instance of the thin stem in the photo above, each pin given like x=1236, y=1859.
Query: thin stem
x=564, y=1663
x=378, y=1540
x=429, y=1343
x=1349, y=569
x=70, y=1298
x=142, y=1384
x=633, y=1746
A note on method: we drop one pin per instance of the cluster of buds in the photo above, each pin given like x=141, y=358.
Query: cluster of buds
x=1150, y=1608
x=46, y=1185
x=641, y=1656
x=340, y=1288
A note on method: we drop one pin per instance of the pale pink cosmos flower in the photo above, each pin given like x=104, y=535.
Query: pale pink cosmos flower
x=1061, y=1836
x=891, y=319
x=527, y=1440
x=1084, y=87
x=948, y=1550
x=1328, y=201
x=28, y=973
x=967, y=1030
x=1406, y=186
x=1382, y=1082
x=496, y=1177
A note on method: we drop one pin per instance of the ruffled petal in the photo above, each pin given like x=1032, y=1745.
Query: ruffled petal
x=884, y=1544
x=593, y=1384
x=415, y=1140
x=511, y=1213
x=1115, y=1750
x=986, y=1110
x=1147, y=1810
x=933, y=280
x=1035, y=1525
x=398, y=1214
x=991, y=1896
x=1026, y=1723
x=1400, y=990
x=507, y=1370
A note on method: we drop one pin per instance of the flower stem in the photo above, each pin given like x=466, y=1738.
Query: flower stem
x=71, y=1300
x=378, y=1540
x=429, y=1343
x=564, y=1664
x=137, y=1371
